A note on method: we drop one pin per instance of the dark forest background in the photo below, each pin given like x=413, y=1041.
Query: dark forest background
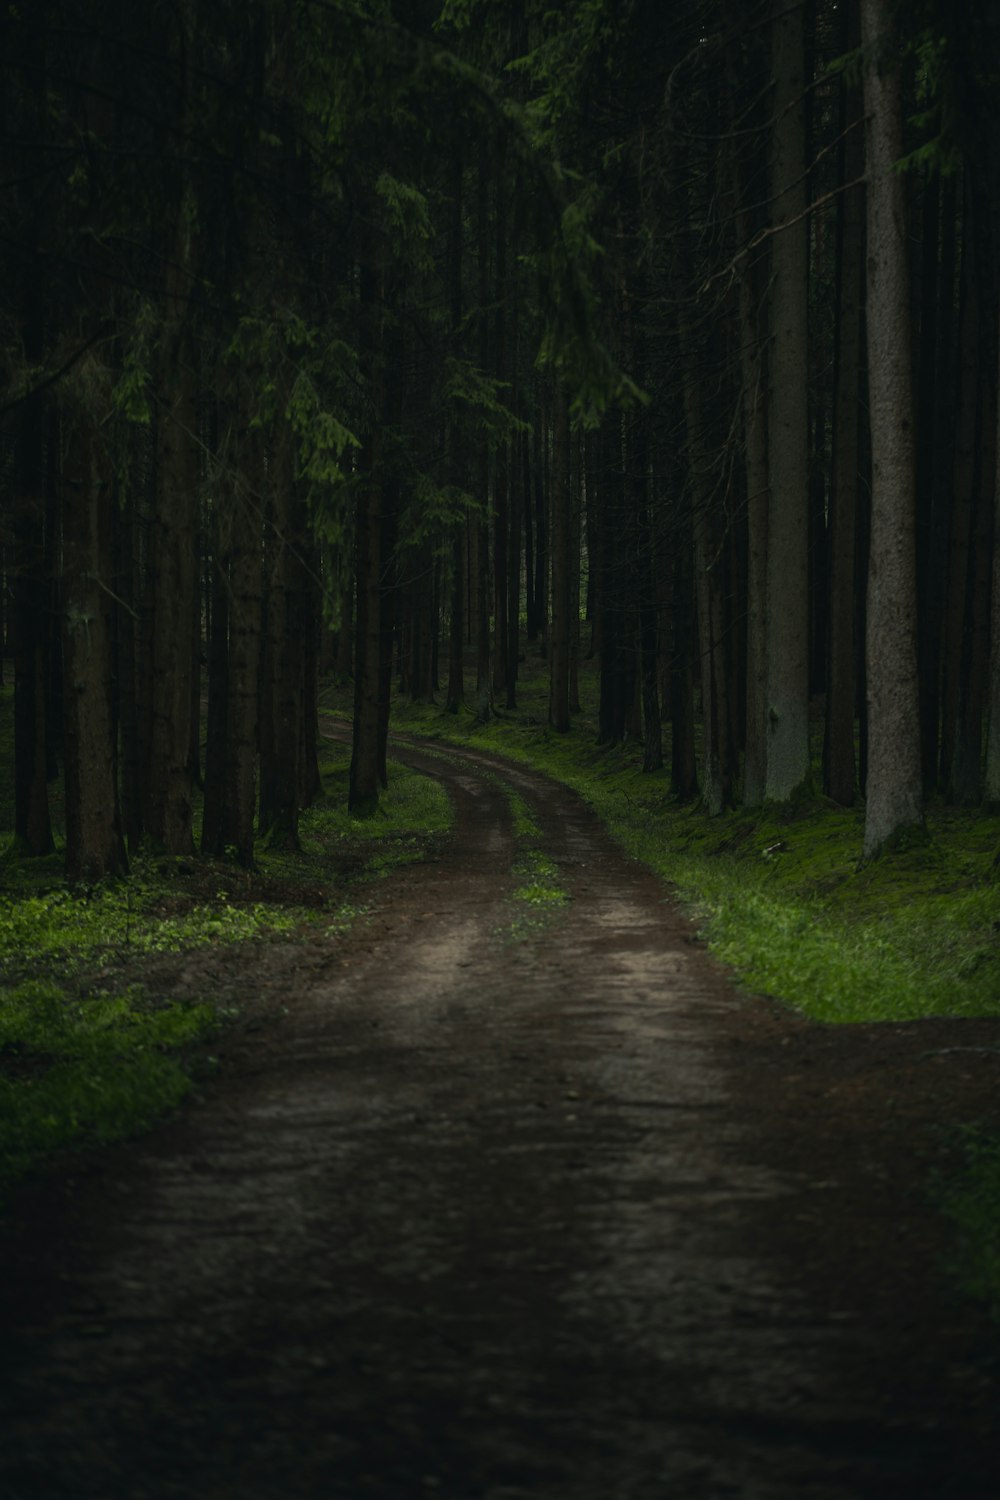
x=393, y=340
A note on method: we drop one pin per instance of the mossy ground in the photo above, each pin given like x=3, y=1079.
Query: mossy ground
x=87, y=1055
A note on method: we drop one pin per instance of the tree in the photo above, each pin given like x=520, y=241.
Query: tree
x=788, y=515
x=894, y=798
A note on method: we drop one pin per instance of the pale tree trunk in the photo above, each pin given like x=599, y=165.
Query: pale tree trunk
x=94, y=844
x=894, y=784
x=788, y=515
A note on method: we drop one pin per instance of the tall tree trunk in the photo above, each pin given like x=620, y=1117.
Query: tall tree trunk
x=755, y=444
x=559, y=511
x=214, y=820
x=894, y=805
x=244, y=658
x=456, y=635
x=169, y=791
x=575, y=526
x=991, y=784
x=364, y=782
x=94, y=845
x=32, y=642
x=541, y=488
x=841, y=693
x=963, y=504
x=283, y=676
x=684, y=643
x=788, y=446
x=966, y=786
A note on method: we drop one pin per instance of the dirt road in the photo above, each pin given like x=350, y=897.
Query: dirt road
x=494, y=1214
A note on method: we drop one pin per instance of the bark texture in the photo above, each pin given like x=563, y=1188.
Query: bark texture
x=894, y=784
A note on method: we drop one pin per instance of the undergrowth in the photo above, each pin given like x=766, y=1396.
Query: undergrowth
x=88, y=1055
x=91, y=1070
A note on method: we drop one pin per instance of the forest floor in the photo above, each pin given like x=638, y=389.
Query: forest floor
x=510, y=1192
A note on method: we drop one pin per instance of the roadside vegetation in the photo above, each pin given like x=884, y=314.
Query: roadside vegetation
x=781, y=894
x=90, y=1054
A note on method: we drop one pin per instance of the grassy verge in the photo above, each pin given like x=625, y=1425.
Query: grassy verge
x=780, y=894
x=89, y=1053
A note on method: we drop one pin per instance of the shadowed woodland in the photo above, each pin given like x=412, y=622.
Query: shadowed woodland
x=395, y=341
x=605, y=393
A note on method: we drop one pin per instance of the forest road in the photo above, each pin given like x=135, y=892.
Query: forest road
x=500, y=1209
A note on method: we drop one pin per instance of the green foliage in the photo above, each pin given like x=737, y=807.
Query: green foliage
x=539, y=881
x=322, y=437
x=406, y=209
x=537, y=897
x=139, y=915
x=76, y=1072
x=467, y=390
x=130, y=396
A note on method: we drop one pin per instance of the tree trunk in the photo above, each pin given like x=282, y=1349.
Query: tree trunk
x=456, y=637
x=841, y=692
x=991, y=784
x=894, y=805
x=559, y=511
x=284, y=657
x=169, y=792
x=94, y=845
x=32, y=642
x=364, y=782
x=788, y=513
x=683, y=764
x=214, y=820
x=244, y=661
x=755, y=442
x=963, y=494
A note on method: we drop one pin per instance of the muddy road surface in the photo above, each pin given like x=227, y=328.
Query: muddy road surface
x=504, y=1208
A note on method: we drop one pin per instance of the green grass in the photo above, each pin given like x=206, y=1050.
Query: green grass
x=536, y=897
x=86, y=1071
